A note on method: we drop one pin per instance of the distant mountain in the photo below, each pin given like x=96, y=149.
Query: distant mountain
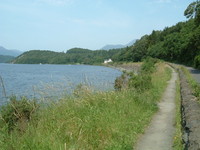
x=117, y=46
x=4, y=51
x=110, y=46
x=131, y=43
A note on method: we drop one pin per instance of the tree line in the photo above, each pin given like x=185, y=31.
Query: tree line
x=72, y=56
x=179, y=43
x=5, y=58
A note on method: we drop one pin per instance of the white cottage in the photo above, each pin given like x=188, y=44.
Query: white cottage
x=107, y=61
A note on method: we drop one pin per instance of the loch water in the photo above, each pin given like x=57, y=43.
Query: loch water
x=34, y=80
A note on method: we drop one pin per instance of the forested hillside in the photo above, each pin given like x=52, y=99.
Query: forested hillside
x=72, y=56
x=5, y=58
x=179, y=43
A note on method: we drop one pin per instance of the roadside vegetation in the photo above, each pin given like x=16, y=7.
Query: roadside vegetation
x=102, y=120
x=178, y=142
x=192, y=82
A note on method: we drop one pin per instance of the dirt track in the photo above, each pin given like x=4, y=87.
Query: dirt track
x=159, y=135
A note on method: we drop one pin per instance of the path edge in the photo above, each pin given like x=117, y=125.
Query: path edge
x=190, y=113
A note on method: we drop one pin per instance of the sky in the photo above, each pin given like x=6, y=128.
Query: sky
x=59, y=25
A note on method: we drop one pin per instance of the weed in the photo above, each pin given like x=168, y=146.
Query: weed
x=177, y=141
x=2, y=85
x=121, y=82
x=81, y=90
x=17, y=113
x=149, y=65
x=197, y=62
x=140, y=81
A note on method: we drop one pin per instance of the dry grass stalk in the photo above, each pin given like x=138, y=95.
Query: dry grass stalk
x=2, y=84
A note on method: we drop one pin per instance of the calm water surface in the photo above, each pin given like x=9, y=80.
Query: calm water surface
x=52, y=80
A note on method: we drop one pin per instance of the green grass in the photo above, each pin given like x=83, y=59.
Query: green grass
x=192, y=82
x=104, y=120
x=178, y=143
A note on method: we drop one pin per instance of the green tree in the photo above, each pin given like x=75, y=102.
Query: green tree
x=193, y=11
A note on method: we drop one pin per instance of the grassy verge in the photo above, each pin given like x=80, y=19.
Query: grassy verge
x=195, y=86
x=104, y=120
x=177, y=143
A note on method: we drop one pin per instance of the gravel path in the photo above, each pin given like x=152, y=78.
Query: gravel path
x=159, y=135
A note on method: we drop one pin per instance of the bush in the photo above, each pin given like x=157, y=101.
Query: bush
x=121, y=82
x=81, y=90
x=196, y=89
x=17, y=113
x=197, y=62
x=140, y=82
x=148, y=65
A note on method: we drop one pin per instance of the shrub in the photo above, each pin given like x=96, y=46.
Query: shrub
x=148, y=65
x=140, y=82
x=121, y=82
x=196, y=88
x=17, y=113
x=81, y=90
x=197, y=62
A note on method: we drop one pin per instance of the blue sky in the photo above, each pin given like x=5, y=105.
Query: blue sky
x=63, y=24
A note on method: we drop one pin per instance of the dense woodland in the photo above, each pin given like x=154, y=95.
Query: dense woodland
x=72, y=56
x=179, y=43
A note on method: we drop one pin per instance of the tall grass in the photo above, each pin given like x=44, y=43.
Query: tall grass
x=178, y=143
x=3, y=87
x=103, y=120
